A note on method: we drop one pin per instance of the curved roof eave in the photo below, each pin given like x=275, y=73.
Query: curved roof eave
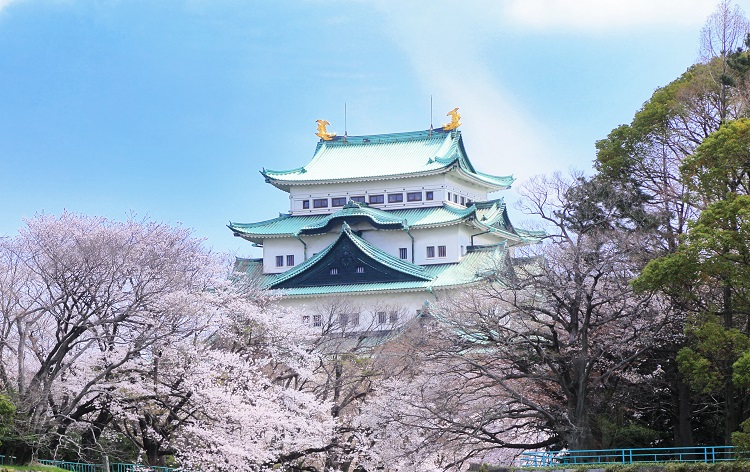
x=330, y=293
x=478, y=179
x=286, y=184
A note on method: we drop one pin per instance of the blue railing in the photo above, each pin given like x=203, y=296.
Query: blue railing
x=708, y=454
x=84, y=467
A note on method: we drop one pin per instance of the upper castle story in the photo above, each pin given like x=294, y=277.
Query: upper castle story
x=386, y=171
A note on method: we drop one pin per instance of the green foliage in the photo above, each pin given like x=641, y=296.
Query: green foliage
x=721, y=163
x=670, y=273
x=708, y=363
x=741, y=371
x=7, y=414
x=624, y=149
x=741, y=439
x=624, y=432
x=697, y=370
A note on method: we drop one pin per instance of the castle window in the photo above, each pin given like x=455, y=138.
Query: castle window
x=354, y=319
x=395, y=197
x=361, y=269
x=441, y=251
x=463, y=201
x=279, y=261
x=317, y=320
x=338, y=201
x=377, y=199
x=320, y=203
x=305, y=204
x=306, y=319
x=343, y=319
x=393, y=316
x=455, y=198
x=469, y=202
x=290, y=260
x=414, y=197
x=334, y=271
x=403, y=253
x=449, y=196
x=382, y=317
x=429, y=195
x=430, y=251
x=358, y=199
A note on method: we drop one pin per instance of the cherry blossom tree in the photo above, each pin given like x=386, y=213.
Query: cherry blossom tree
x=533, y=357
x=132, y=330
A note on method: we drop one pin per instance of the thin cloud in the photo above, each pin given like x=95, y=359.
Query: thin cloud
x=608, y=16
x=5, y=3
x=501, y=137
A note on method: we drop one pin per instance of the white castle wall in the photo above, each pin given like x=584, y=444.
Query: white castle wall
x=455, y=238
x=441, y=185
x=366, y=306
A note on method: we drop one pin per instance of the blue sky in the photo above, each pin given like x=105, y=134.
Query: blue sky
x=168, y=109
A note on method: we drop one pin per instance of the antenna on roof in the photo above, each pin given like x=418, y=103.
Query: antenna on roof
x=345, y=131
x=430, y=115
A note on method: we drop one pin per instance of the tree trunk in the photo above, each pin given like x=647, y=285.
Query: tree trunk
x=683, y=431
x=580, y=436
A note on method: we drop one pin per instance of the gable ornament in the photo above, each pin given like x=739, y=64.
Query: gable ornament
x=322, y=132
x=455, y=120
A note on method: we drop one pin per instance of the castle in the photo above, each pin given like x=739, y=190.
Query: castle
x=383, y=224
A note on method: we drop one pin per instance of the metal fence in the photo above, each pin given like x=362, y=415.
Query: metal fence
x=84, y=467
x=708, y=454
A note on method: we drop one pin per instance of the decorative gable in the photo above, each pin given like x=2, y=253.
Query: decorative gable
x=350, y=260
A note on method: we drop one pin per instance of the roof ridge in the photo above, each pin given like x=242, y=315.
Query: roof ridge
x=436, y=133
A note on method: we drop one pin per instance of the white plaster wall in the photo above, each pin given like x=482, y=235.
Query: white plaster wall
x=367, y=305
x=447, y=236
x=273, y=247
x=440, y=184
x=317, y=243
x=462, y=188
x=389, y=241
x=485, y=239
x=434, y=183
x=464, y=237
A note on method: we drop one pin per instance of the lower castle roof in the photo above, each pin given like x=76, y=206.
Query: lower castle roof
x=490, y=216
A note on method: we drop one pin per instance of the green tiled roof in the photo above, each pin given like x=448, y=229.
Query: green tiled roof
x=433, y=216
x=287, y=225
x=352, y=211
x=385, y=156
x=284, y=225
x=472, y=268
x=488, y=216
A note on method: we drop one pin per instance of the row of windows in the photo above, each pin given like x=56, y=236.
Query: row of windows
x=392, y=317
x=431, y=251
x=460, y=199
x=352, y=319
x=335, y=271
x=289, y=260
x=373, y=199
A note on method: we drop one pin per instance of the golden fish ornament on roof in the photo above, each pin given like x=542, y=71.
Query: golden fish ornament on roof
x=455, y=120
x=322, y=132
